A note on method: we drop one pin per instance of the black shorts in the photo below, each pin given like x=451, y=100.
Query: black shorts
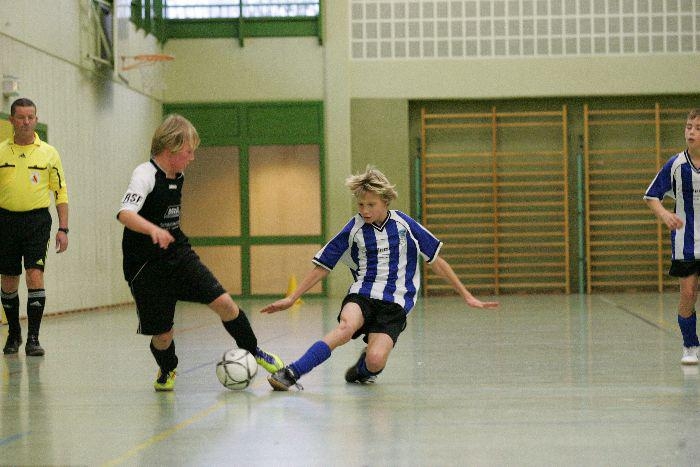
x=380, y=317
x=161, y=283
x=681, y=268
x=23, y=235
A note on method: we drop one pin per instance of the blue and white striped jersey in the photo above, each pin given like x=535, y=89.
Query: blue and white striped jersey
x=383, y=260
x=680, y=180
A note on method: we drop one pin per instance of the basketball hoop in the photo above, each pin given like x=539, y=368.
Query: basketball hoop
x=136, y=61
x=149, y=66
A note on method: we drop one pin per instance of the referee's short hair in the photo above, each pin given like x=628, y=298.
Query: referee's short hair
x=21, y=102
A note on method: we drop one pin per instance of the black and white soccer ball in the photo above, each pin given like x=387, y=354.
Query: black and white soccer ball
x=237, y=369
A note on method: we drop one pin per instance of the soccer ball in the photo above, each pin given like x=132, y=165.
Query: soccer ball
x=237, y=369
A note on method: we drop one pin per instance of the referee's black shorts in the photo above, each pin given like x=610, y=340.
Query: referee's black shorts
x=162, y=282
x=23, y=235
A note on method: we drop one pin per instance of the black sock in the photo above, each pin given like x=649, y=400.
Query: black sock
x=242, y=333
x=166, y=359
x=10, y=303
x=36, y=300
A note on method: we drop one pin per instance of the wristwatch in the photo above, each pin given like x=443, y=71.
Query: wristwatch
x=63, y=229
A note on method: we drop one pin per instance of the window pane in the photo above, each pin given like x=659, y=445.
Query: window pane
x=225, y=263
x=285, y=190
x=211, y=201
x=196, y=9
x=271, y=267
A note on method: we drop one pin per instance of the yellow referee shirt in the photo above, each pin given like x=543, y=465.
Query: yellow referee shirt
x=28, y=174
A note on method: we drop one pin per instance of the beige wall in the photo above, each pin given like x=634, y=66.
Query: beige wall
x=380, y=138
x=522, y=78
x=216, y=70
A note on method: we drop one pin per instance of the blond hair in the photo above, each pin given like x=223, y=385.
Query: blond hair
x=173, y=134
x=372, y=181
x=693, y=114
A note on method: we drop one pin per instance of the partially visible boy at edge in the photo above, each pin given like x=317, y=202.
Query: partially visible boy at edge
x=679, y=179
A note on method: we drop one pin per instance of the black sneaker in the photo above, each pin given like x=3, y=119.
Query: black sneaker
x=32, y=347
x=12, y=345
x=283, y=379
x=353, y=376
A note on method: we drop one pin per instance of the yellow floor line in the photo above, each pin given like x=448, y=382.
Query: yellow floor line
x=164, y=435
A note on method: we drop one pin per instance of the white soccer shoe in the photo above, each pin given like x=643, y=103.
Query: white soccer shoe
x=690, y=356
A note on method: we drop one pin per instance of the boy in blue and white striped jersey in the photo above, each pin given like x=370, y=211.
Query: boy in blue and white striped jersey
x=382, y=249
x=679, y=179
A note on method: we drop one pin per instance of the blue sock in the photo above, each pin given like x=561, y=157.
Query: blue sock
x=318, y=353
x=690, y=335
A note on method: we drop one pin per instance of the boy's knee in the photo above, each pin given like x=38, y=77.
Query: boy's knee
x=375, y=359
x=225, y=307
x=346, y=330
x=689, y=295
x=162, y=341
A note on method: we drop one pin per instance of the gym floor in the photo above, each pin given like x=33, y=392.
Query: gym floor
x=544, y=380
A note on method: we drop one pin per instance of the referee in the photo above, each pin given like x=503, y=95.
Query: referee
x=30, y=170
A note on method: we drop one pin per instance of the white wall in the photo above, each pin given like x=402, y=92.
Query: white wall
x=102, y=129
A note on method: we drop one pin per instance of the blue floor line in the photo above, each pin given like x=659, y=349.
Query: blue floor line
x=13, y=438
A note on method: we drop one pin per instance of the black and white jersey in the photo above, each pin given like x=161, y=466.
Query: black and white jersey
x=157, y=199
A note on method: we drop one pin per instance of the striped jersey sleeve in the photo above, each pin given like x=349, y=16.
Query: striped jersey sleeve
x=428, y=244
x=662, y=185
x=337, y=248
x=680, y=179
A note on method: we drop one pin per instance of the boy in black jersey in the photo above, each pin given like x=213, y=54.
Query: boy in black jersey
x=159, y=263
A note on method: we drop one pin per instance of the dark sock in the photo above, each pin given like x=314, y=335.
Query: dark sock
x=36, y=300
x=10, y=303
x=688, y=329
x=363, y=371
x=166, y=359
x=318, y=353
x=241, y=332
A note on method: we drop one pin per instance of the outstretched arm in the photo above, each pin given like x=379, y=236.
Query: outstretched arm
x=311, y=279
x=444, y=270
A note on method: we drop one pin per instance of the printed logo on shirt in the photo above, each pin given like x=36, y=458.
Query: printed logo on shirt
x=172, y=212
x=402, y=237
x=34, y=177
x=131, y=198
x=384, y=252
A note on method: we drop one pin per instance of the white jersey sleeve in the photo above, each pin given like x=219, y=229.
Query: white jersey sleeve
x=142, y=182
